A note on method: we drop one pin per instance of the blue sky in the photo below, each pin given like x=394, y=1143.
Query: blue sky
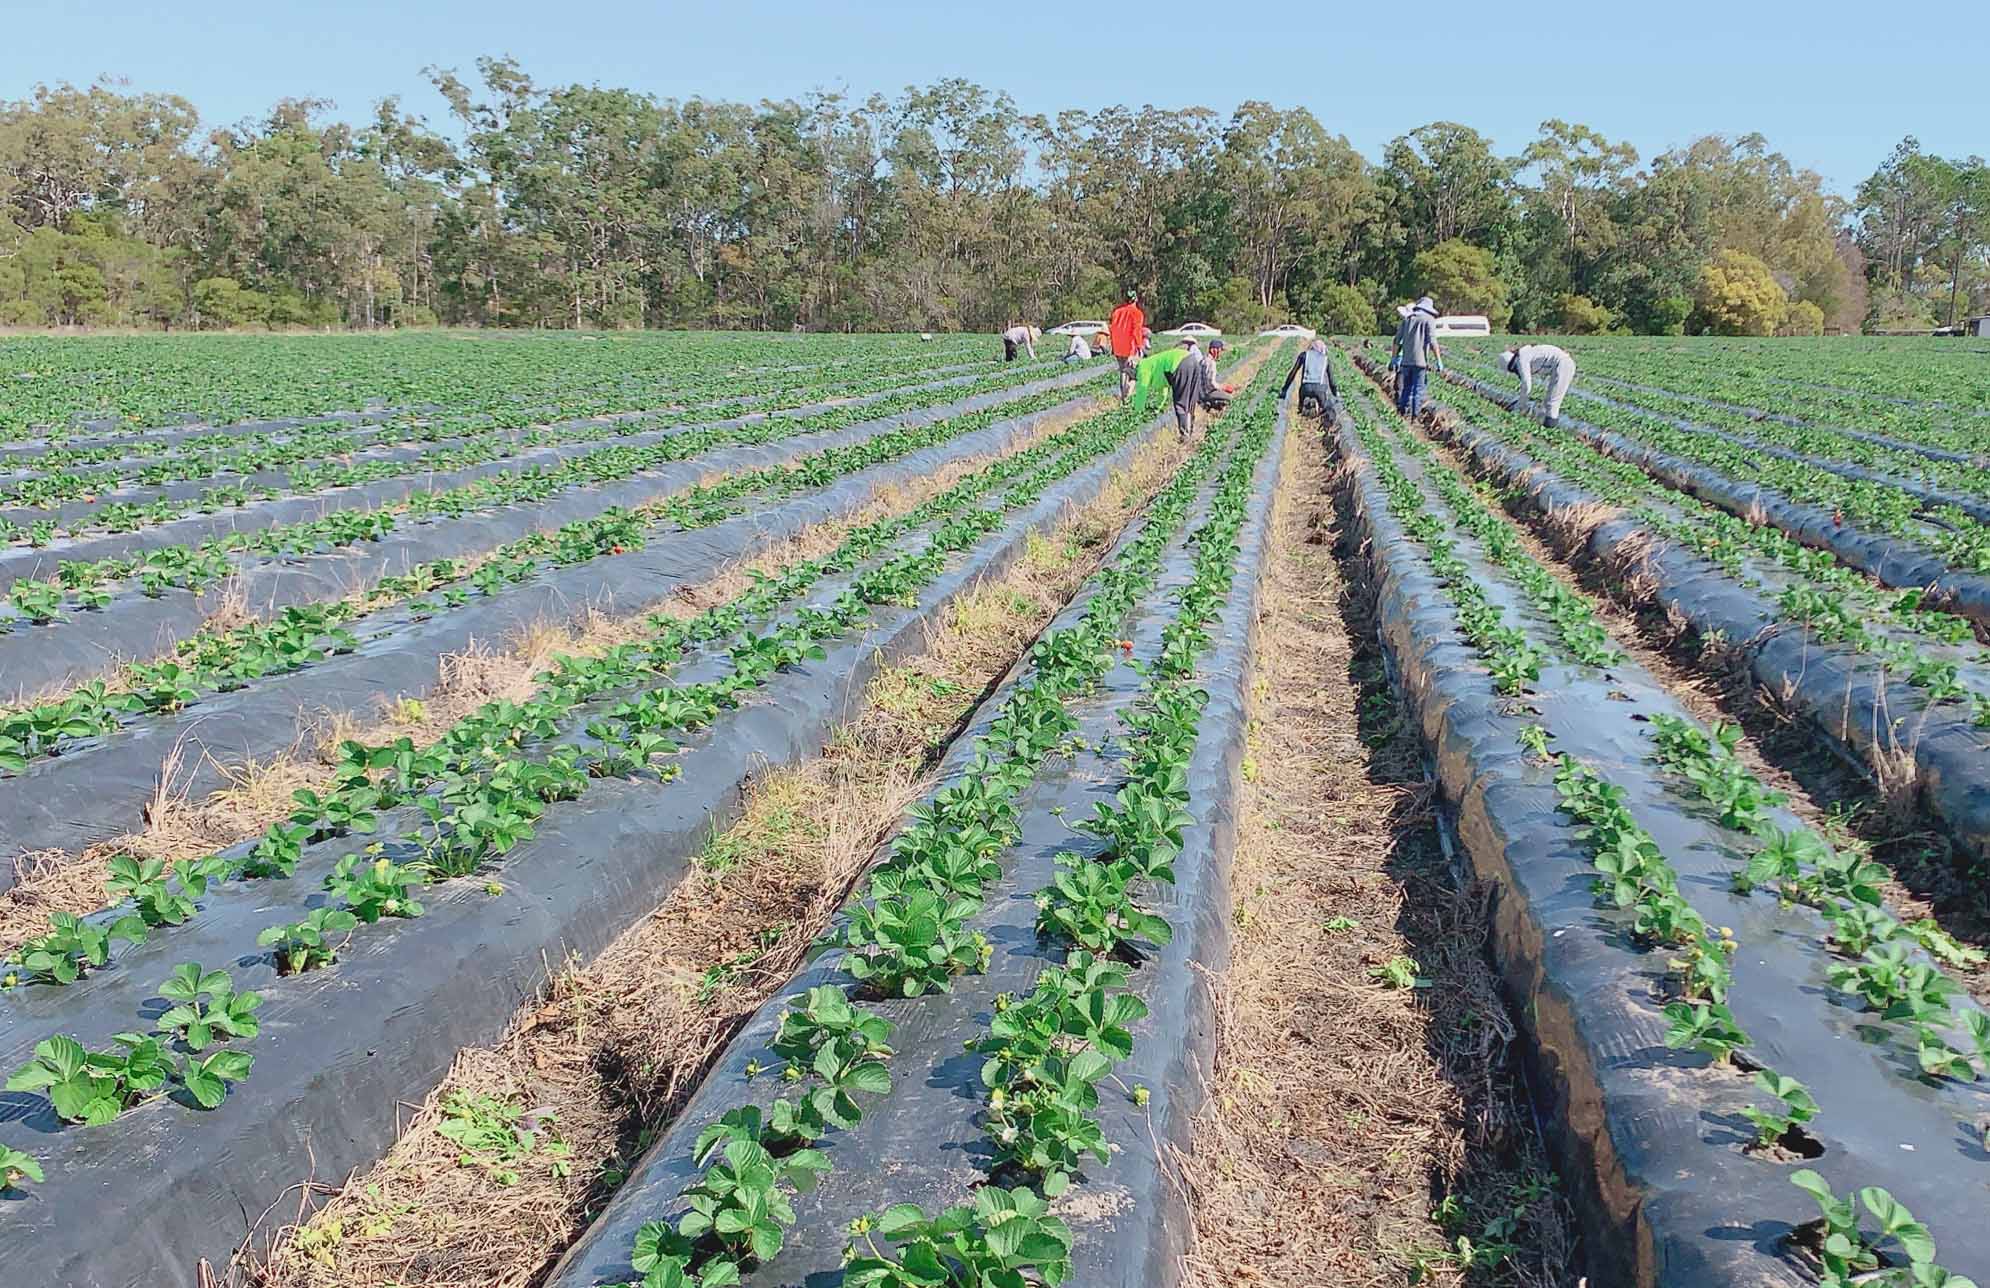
x=1832, y=85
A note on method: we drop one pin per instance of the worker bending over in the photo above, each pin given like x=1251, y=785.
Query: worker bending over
x=1316, y=380
x=1552, y=364
x=1193, y=385
x=1019, y=337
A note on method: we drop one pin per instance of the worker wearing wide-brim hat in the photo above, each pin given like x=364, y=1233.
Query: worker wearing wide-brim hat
x=1550, y=362
x=1414, y=352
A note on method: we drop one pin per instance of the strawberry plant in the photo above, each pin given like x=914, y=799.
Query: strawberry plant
x=143, y=881
x=17, y=1166
x=94, y=1087
x=207, y=1080
x=1772, y=1127
x=990, y=1244
x=902, y=942
x=224, y=1013
x=738, y=1206
x=1849, y=1256
x=1706, y=1027
x=73, y=946
x=376, y=888
x=310, y=943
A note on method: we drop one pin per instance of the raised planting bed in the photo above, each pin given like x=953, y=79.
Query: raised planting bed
x=1882, y=695
x=403, y=556
x=293, y=524
x=1662, y=940
x=95, y=787
x=1889, y=558
x=1026, y=894
x=69, y=504
x=340, y=1045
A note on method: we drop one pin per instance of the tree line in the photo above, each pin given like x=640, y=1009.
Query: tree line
x=943, y=208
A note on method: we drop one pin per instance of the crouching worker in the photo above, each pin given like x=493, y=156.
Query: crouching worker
x=1553, y=365
x=1316, y=382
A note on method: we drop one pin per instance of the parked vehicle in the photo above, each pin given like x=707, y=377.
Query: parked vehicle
x=1462, y=324
x=1078, y=328
x=1192, y=328
x=1286, y=331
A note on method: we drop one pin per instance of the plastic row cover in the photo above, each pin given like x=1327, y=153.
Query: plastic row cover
x=1887, y=559
x=342, y=1048
x=1128, y=1219
x=97, y=789
x=1650, y=1140
x=85, y=644
x=23, y=562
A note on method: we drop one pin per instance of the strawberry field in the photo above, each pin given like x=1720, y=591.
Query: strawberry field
x=410, y=870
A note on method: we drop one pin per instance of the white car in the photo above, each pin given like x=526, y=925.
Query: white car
x=1192, y=328
x=1287, y=330
x=1087, y=329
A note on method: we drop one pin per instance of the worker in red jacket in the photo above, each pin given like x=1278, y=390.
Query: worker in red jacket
x=1125, y=328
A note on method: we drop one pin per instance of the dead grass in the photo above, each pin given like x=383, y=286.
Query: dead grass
x=617, y=1045
x=259, y=794
x=1354, y=1131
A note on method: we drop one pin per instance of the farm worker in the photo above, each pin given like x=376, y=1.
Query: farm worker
x=1151, y=372
x=1316, y=379
x=1078, y=350
x=1019, y=337
x=1217, y=396
x=1125, y=327
x=1552, y=364
x=1415, y=350
x=1187, y=383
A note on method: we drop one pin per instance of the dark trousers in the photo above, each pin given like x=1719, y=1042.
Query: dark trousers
x=1317, y=394
x=1008, y=349
x=1409, y=389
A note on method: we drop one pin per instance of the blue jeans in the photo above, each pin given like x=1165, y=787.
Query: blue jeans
x=1409, y=389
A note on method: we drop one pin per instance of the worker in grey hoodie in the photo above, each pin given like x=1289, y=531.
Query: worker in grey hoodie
x=1316, y=380
x=1415, y=352
x=1555, y=367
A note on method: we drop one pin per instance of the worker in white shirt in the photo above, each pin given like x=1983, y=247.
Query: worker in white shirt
x=1077, y=350
x=1019, y=337
x=1553, y=365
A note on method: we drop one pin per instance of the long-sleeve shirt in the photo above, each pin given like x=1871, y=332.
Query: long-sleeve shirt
x=1152, y=372
x=1078, y=349
x=1020, y=337
x=1416, y=341
x=1311, y=368
x=1125, y=328
x=1192, y=379
x=1546, y=360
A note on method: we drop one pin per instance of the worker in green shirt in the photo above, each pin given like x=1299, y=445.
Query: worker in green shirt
x=1151, y=373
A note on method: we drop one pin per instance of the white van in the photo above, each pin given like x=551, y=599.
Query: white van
x=1461, y=324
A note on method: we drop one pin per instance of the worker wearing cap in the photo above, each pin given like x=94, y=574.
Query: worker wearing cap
x=1555, y=367
x=1414, y=353
x=1125, y=328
